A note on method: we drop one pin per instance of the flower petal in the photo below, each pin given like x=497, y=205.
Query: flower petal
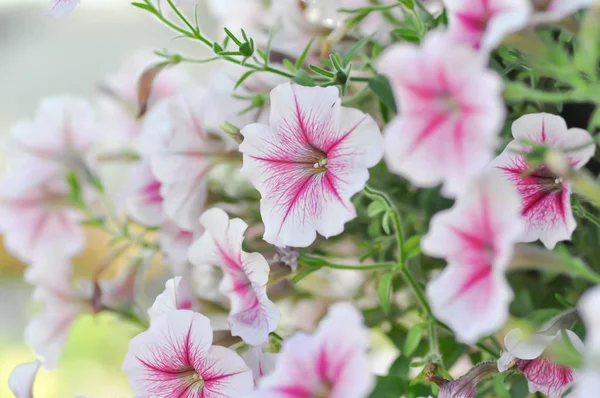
x=261, y=363
x=22, y=378
x=176, y=296
x=60, y=8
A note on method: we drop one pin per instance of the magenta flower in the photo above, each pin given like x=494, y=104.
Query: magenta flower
x=60, y=8
x=330, y=363
x=476, y=238
x=63, y=302
x=261, y=363
x=308, y=163
x=252, y=315
x=38, y=220
x=545, y=197
x=22, y=378
x=184, y=155
x=451, y=110
x=483, y=24
x=176, y=296
x=542, y=374
x=587, y=381
x=176, y=358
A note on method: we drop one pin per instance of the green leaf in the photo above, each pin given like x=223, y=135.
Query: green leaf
x=381, y=87
x=355, y=49
x=232, y=37
x=321, y=71
x=384, y=290
x=385, y=223
x=243, y=78
x=143, y=6
x=388, y=387
x=407, y=34
x=304, y=79
x=303, y=274
x=376, y=207
x=410, y=4
x=300, y=60
x=415, y=334
x=288, y=65
x=412, y=246
x=500, y=386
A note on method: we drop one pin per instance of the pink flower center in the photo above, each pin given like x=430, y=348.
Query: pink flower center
x=546, y=180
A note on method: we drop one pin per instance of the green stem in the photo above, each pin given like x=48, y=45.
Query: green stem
x=518, y=92
x=317, y=262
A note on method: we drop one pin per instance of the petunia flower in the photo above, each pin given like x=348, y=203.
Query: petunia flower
x=545, y=197
x=555, y=10
x=252, y=315
x=476, y=238
x=184, y=155
x=527, y=353
x=59, y=140
x=587, y=381
x=176, y=296
x=330, y=363
x=22, y=378
x=261, y=363
x=60, y=8
x=451, y=111
x=309, y=162
x=144, y=202
x=63, y=302
x=175, y=358
x=464, y=386
x=38, y=220
x=483, y=24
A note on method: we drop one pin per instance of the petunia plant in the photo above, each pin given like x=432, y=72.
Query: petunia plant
x=354, y=198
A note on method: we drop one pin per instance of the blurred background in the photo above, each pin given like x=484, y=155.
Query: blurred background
x=42, y=56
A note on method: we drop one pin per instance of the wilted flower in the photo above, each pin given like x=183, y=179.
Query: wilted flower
x=175, y=358
x=22, y=378
x=483, y=24
x=587, y=381
x=309, y=162
x=476, y=238
x=545, y=197
x=528, y=354
x=451, y=110
x=245, y=275
x=184, y=154
x=38, y=220
x=330, y=363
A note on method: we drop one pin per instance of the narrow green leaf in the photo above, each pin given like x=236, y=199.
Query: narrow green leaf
x=143, y=6
x=355, y=49
x=320, y=71
x=384, y=290
x=407, y=34
x=381, y=87
x=232, y=37
x=415, y=334
x=300, y=60
x=289, y=66
x=304, y=79
x=412, y=246
x=385, y=223
x=303, y=274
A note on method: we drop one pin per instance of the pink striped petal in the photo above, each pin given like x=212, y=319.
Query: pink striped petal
x=252, y=315
x=183, y=154
x=175, y=358
x=443, y=114
x=483, y=24
x=176, y=296
x=261, y=363
x=545, y=198
x=308, y=163
x=475, y=237
x=331, y=363
x=144, y=201
x=22, y=378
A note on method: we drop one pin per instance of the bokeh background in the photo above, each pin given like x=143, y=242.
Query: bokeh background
x=42, y=56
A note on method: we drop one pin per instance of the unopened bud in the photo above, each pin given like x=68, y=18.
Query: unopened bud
x=232, y=131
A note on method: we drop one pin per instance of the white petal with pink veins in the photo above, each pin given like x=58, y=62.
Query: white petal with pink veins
x=22, y=378
x=308, y=163
x=176, y=296
x=252, y=316
x=332, y=362
x=483, y=24
x=61, y=8
x=261, y=363
x=175, y=358
x=545, y=198
x=144, y=201
x=476, y=238
x=587, y=382
x=182, y=155
x=443, y=115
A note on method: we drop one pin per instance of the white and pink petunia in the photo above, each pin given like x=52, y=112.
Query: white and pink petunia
x=483, y=24
x=176, y=296
x=144, y=202
x=59, y=140
x=330, y=363
x=184, y=154
x=587, y=381
x=252, y=315
x=38, y=220
x=476, y=238
x=309, y=162
x=261, y=363
x=63, y=302
x=451, y=111
x=60, y=8
x=22, y=378
x=528, y=354
x=175, y=358
x=545, y=197
x=555, y=10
